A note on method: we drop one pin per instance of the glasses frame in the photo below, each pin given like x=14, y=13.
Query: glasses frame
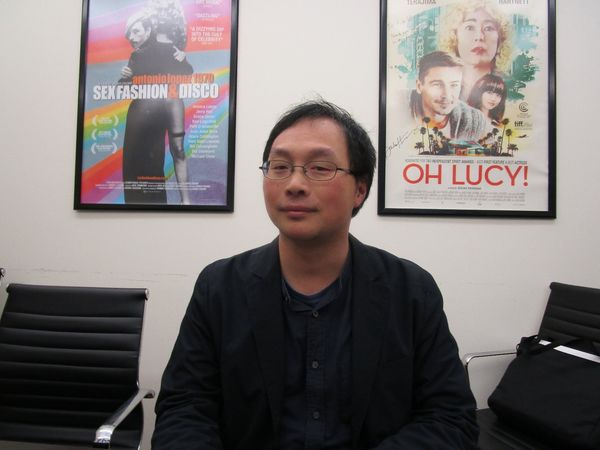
x=265, y=168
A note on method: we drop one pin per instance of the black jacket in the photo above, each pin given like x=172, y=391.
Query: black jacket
x=223, y=386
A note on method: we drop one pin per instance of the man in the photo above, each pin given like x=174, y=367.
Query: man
x=315, y=341
x=436, y=102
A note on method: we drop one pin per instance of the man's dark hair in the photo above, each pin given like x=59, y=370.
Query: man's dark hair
x=437, y=59
x=361, y=152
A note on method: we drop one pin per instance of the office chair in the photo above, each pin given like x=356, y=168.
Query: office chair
x=69, y=366
x=571, y=312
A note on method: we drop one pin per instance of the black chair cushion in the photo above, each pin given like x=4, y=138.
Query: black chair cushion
x=68, y=360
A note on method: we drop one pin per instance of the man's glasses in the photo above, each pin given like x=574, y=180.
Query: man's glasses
x=313, y=170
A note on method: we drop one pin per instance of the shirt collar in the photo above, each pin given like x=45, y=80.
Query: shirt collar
x=314, y=302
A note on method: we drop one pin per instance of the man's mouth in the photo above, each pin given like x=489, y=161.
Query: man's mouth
x=299, y=209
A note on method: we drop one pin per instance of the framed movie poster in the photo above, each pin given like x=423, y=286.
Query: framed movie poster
x=467, y=108
x=156, y=122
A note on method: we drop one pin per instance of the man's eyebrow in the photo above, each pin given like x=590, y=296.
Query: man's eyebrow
x=312, y=153
x=278, y=152
x=443, y=80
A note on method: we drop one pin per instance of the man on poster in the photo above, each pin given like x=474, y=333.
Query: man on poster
x=436, y=100
x=315, y=341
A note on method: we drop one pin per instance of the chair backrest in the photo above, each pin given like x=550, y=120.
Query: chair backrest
x=68, y=359
x=572, y=312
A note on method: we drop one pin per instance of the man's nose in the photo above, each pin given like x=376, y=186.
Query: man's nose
x=297, y=181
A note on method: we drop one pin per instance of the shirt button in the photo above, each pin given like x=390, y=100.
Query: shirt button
x=316, y=415
x=315, y=364
x=315, y=314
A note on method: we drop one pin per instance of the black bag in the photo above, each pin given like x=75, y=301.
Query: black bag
x=552, y=395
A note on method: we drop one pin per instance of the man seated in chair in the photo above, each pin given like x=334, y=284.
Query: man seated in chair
x=316, y=340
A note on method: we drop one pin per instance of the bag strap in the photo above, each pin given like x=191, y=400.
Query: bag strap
x=530, y=345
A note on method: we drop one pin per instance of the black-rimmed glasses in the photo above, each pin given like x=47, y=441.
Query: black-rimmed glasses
x=313, y=170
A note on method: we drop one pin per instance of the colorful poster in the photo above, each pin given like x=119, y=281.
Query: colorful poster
x=156, y=113
x=467, y=109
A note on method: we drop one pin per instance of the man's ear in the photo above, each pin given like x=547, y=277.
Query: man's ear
x=361, y=193
x=418, y=86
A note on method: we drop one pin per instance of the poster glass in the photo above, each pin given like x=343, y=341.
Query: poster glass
x=156, y=122
x=467, y=108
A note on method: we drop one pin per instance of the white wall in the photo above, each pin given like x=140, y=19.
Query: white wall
x=494, y=273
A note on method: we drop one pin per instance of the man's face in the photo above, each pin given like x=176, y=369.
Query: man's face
x=137, y=34
x=307, y=210
x=440, y=90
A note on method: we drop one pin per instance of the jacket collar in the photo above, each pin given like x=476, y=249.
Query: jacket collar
x=370, y=305
x=266, y=315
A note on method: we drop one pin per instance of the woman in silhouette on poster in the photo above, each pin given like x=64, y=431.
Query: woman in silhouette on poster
x=158, y=36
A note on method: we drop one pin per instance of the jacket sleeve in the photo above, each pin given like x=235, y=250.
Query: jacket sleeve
x=188, y=406
x=443, y=410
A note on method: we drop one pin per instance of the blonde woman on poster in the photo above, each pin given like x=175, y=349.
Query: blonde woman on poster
x=479, y=34
x=157, y=34
x=171, y=29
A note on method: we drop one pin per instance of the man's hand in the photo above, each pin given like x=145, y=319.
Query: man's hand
x=179, y=55
x=126, y=72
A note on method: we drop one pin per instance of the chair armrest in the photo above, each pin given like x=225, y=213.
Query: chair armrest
x=468, y=357
x=105, y=431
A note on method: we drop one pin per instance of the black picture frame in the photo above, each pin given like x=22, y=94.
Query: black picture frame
x=139, y=165
x=428, y=177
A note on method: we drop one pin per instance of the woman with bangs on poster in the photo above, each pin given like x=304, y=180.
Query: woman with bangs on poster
x=489, y=96
x=480, y=35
